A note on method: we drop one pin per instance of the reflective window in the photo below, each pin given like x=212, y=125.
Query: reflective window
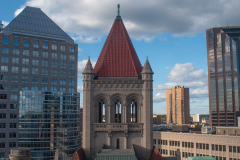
x=45, y=54
x=15, y=60
x=118, y=112
x=63, y=73
x=71, y=74
x=25, y=70
x=14, y=97
x=63, y=65
x=71, y=48
x=53, y=88
x=54, y=46
x=35, y=62
x=14, y=79
x=35, y=53
x=62, y=81
x=34, y=80
x=16, y=41
x=53, y=73
x=71, y=66
x=63, y=47
x=54, y=64
x=5, y=50
x=44, y=89
x=15, y=70
x=219, y=40
x=24, y=88
x=34, y=88
x=4, y=68
x=54, y=55
x=26, y=43
x=5, y=40
x=35, y=44
x=44, y=72
x=53, y=81
x=13, y=106
x=4, y=60
x=15, y=51
x=34, y=71
x=63, y=57
x=45, y=63
x=71, y=82
x=45, y=45
x=26, y=52
x=63, y=89
x=3, y=106
x=227, y=45
x=3, y=77
x=44, y=80
x=14, y=88
x=210, y=36
x=71, y=57
x=24, y=79
x=3, y=87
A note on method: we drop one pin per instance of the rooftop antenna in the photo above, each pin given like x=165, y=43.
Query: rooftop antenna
x=118, y=15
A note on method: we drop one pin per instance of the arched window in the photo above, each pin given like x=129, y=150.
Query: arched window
x=102, y=112
x=118, y=112
x=134, y=111
x=117, y=144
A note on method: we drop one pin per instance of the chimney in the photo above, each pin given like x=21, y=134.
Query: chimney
x=1, y=26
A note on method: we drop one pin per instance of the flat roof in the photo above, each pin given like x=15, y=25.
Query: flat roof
x=201, y=157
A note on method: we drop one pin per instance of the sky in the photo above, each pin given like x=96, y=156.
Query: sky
x=171, y=33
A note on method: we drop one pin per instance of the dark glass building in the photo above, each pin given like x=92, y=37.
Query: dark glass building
x=49, y=124
x=223, y=75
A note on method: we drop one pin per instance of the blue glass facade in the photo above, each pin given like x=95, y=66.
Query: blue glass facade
x=49, y=121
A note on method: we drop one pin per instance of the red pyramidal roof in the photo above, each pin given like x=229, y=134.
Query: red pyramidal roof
x=118, y=57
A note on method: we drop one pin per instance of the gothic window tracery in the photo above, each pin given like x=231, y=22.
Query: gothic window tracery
x=133, y=111
x=118, y=111
x=102, y=110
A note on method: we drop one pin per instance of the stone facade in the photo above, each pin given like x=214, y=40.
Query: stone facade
x=111, y=90
x=222, y=147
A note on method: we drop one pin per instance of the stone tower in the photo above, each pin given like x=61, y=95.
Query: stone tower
x=118, y=98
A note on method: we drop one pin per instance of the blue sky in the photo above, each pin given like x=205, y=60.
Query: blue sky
x=170, y=33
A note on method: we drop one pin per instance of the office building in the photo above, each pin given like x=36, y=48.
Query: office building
x=223, y=75
x=37, y=55
x=157, y=119
x=177, y=99
x=198, y=117
x=222, y=147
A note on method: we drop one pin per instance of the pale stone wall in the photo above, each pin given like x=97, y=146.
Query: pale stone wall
x=204, y=139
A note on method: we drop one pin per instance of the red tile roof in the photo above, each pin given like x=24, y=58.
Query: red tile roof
x=78, y=155
x=118, y=57
x=156, y=155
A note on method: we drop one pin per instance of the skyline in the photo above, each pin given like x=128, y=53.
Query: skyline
x=166, y=49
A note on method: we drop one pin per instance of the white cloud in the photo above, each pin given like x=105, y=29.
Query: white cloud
x=159, y=97
x=89, y=21
x=79, y=89
x=186, y=75
x=81, y=66
x=5, y=23
x=19, y=10
x=79, y=49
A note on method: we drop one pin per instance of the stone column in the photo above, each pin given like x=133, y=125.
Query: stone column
x=108, y=113
x=124, y=113
x=20, y=154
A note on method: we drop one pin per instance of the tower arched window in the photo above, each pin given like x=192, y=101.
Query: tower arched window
x=134, y=111
x=118, y=112
x=102, y=111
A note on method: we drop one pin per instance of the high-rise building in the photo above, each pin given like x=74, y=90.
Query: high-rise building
x=118, y=101
x=223, y=75
x=37, y=55
x=177, y=99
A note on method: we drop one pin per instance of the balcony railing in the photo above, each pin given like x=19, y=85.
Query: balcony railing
x=111, y=127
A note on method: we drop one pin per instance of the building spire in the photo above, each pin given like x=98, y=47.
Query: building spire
x=118, y=16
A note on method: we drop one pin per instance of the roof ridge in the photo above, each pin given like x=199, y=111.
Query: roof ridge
x=129, y=50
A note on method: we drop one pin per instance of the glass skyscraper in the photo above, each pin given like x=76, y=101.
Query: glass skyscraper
x=223, y=75
x=38, y=57
x=49, y=121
